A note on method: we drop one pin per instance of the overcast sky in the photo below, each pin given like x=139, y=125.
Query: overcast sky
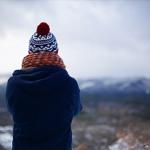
x=96, y=38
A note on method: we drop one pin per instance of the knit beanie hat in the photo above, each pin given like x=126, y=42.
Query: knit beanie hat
x=43, y=40
x=43, y=49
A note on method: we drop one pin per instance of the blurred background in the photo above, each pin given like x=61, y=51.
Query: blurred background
x=105, y=44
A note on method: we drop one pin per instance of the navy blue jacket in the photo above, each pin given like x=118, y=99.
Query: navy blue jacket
x=43, y=102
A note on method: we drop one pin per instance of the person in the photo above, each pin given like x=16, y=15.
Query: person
x=42, y=97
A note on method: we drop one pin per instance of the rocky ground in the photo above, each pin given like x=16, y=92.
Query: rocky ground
x=112, y=127
x=108, y=126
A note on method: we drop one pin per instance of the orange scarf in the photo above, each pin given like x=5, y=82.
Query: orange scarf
x=41, y=59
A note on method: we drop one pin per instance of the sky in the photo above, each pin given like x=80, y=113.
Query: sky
x=96, y=38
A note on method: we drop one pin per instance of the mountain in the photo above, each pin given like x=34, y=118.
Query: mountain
x=3, y=80
x=2, y=95
x=92, y=90
x=110, y=85
x=135, y=91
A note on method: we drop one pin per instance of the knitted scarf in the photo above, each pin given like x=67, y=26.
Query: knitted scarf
x=42, y=58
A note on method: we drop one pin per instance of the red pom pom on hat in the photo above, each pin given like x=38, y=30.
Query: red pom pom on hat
x=43, y=29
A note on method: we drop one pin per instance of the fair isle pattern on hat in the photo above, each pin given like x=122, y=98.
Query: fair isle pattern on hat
x=43, y=40
x=43, y=43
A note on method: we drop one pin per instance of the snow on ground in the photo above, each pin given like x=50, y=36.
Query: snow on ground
x=6, y=137
x=129, y=142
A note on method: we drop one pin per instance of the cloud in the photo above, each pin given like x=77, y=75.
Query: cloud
x=96, y=38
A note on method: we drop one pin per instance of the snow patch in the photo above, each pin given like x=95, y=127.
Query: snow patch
x=6, y=140
x=129, y=142
x=86, y=85
x=6, y=137
x=119, y=145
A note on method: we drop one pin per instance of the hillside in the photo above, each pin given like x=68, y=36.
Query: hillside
x=116, y=115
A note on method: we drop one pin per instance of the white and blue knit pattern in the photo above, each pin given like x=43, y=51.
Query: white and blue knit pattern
x=43, y=43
